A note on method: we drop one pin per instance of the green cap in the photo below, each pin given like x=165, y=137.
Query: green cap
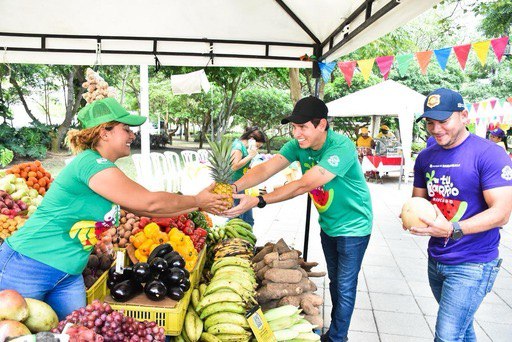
x=106, y=110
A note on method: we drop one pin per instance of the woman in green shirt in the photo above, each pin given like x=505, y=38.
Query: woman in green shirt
x=45, y=258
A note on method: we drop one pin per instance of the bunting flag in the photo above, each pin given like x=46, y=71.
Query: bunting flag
x=384, y=63
x=493, y=103
x=423, y=58
x=501, y=102
x=366, y=66
x=347, y=69
x=462, y=52
x=326, y=70
x=482, y=49
x=442, y=56
x=468, y=106
x=477, y=121
x=509, y=100
x=484, y=104
x=403, y=63
x=498, y=46
x=501, y=118
x=476, y=105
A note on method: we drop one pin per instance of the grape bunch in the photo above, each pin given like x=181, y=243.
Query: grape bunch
x=112, y=325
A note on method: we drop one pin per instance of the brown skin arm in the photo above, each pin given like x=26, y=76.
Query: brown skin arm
x=115, y=186
x=499, y=201
x=313, y=178
x=262, y=172
x=237, y=162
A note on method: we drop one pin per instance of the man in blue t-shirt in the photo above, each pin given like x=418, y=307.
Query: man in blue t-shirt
x=469, y=181
x=333, y=178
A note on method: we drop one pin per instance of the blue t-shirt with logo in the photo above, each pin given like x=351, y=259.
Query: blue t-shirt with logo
x=455, y=180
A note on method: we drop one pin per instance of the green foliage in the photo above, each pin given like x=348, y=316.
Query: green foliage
x=497, y=17
x=418, y=146
x=6, y=156
x=277, y=142
x=27, y=142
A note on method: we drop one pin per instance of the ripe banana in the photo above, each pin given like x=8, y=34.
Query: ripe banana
x=225, y=328
x=195, y=298
x=226, y=317
x=234, y=337
x=205, y=337
x=222, y=307
x=193, y=325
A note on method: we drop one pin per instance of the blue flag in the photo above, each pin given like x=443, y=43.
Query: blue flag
x=326, y=70
x=442, y=56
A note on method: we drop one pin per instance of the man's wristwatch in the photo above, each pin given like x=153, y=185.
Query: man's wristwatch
x=457, y=232
x=261, y=202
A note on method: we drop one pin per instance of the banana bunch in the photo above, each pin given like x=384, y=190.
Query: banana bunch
x=233, y=247
x=235, y=228
x=223, y=303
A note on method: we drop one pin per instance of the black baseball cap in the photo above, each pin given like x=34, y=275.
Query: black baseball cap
x=441, y=103
x=306, y=109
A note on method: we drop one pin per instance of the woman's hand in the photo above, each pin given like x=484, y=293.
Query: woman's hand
x=253, y=152
x=440, y=227
x=210, y=202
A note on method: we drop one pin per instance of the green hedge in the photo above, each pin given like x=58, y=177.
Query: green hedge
x=27, y=142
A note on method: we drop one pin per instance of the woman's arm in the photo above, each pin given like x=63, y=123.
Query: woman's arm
x=115, y=186
x=237, y=162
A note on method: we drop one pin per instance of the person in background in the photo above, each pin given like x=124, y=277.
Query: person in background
x=45, y=258
x=469, y=181
x=499, y=137
x=333, y=178
x=385, y=133
x=243, y=151
x=364, y=139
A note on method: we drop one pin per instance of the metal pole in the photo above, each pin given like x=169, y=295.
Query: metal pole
x=308, y=207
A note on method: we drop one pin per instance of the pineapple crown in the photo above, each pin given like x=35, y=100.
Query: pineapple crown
x=220, y=160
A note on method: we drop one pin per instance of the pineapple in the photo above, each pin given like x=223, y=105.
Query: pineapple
x=221, y=171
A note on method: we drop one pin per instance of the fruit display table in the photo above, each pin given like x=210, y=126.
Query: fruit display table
x=380, y=165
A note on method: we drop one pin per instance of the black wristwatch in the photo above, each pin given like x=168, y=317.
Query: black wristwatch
x=261, y=202
x=457, y=232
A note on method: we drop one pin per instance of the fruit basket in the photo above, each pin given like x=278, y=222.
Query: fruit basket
x=168, y=313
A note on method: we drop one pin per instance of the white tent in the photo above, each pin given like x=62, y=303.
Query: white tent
x=233, y=32
x=386, y=98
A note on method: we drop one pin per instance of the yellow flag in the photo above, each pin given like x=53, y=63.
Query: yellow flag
x=484, y=104
x=366, y=66
x=481, y=49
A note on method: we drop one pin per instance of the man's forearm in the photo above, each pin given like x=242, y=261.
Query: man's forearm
x=251, y=178
x=488, y=219
x=285, y=192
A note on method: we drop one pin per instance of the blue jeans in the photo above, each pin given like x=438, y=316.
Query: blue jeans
x=344, y=256
x=33, y=279
x=247, y=216
x=459, y=290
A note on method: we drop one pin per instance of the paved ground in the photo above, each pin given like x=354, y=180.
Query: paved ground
x=394, y=301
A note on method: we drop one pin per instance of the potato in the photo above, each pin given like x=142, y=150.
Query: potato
x=122, y=220
x=130, y=215
x=128, y=226
x=127, y=234
x=131, y=221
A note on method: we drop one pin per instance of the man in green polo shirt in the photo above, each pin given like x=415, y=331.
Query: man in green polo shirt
x=333, y=178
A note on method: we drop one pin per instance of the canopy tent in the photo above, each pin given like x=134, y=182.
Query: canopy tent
x=232, y=32
x=195, y=33
x=386, y=98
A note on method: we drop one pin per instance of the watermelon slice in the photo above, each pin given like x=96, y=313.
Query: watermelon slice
x=321, y=198
x=452, y=209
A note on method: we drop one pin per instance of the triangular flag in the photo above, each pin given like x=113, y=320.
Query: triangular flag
x=501, y=118
x=484, y=104
x=347, y=69
x=403, y=63
x=509, y=99
x=384, y=63
x=462, y=51
x=477, y=121
x=326, y=70
x=476, y=105
x=423, y=58
x=366, y=66
x=493, y=103
x=499, y=45
x=501, y=102
x=468, y=106
x=482, y=49
x=442, y=56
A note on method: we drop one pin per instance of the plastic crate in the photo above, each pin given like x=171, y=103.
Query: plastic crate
x=171, y=319
x=99, y=289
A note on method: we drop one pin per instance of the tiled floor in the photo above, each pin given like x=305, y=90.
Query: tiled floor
x=394, y=301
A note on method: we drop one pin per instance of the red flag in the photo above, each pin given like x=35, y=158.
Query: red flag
x=347, y=68
x=499, y=45
x=476, y=105
x=462, y=52
x=384, y=63
x=493, y=103
x=423, y=58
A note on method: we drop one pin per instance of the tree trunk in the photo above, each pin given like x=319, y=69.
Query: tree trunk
x=186, y=128
x=295, y=87
x=22, y=97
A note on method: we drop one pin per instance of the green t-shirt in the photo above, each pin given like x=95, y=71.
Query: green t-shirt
x=61, y=233
x=344, y=203
x=238, y=145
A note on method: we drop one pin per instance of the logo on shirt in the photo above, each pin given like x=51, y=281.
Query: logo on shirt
x=442, y=186
x=506, y=173
x=102, y=160
x=333, y=160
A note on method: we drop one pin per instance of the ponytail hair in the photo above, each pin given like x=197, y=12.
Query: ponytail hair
x=254, y=133
x=88, y=138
